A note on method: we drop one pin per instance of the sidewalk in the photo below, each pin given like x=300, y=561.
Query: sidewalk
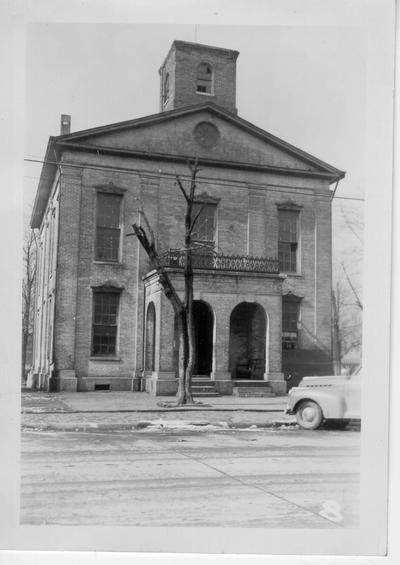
x=107, y=411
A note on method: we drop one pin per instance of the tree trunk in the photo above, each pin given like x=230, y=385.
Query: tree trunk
x=183, y=309
x=337, y=353
x=24, y=347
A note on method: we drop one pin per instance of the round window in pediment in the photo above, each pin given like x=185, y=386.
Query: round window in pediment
x=206, y=134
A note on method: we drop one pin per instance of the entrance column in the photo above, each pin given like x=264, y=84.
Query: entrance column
x=220, y=371
x=273, y=368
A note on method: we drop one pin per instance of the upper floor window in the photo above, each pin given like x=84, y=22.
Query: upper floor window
x=204, y=83
x=204, y=229
x=105, y=323
x=166, y=88
x=288, y=240
x=108, y=228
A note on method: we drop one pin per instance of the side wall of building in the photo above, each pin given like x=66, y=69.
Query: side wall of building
x=45, y=295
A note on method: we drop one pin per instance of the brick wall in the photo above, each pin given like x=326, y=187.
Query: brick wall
x=182, y=63
x=242, y=195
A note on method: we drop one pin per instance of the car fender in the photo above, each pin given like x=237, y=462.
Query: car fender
x=332, y=407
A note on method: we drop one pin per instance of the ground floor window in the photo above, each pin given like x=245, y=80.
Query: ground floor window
x=290, y=319
x=150, y=337
x=105, y=323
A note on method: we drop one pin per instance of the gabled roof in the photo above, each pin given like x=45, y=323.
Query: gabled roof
x=84, y=141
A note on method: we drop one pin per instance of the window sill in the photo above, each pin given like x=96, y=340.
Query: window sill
x=205, y=93
x=105, y=358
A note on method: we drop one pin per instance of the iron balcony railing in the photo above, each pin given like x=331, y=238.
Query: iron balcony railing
x=219, y=262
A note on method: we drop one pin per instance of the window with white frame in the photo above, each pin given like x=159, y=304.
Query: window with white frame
x=166, y=88
x=290, y=321
x=105, y=323
x=288, y=240
x=108, y=227
x=204, y=229
x=204, y=79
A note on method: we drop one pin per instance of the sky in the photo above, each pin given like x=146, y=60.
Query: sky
x=304, y=84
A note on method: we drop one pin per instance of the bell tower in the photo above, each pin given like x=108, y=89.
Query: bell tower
x=194, y=74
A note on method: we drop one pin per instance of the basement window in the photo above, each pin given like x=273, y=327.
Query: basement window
x=102, y=387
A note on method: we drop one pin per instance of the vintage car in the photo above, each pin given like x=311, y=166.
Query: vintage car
x=334, y=400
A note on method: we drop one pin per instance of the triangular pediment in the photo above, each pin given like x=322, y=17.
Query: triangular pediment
x=206, y=132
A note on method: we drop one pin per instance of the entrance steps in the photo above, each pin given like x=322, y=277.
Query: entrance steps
x=252, y=389
x=203, y=386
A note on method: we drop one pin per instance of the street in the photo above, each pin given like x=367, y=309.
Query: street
x=238, y=478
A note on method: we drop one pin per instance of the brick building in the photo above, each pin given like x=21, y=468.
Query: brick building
x=262, y=299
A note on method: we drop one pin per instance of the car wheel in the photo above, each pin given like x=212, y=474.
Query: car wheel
x=309, y=415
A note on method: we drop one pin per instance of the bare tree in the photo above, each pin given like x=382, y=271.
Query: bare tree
x=183, y=308
x=347, y=303
x=28, y=294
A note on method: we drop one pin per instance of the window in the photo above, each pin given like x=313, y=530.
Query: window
x=290, y=317
x=204, y=78
x=166, y=88
x=108, y=229
x=150, y=337
x=105, y=323
x=288, y=240
x=204, y=227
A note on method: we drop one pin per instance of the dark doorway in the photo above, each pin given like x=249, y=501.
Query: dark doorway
x=247, y=335
x=203, y=327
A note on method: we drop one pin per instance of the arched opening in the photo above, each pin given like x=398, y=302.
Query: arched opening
x=203, y=331
x=150, y=344
x=247, y=337
x=204, y=82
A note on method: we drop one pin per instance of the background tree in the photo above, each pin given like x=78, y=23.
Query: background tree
x=28, y=295
x=183, y=308
x=347, y=302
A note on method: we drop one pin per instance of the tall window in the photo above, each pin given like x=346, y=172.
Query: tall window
x=288, y=240
x=108, y=228
x=166, y=88
x=290, y=318
x=204, y=78
x=105, y=323
x=204, y=227
x=150, y=337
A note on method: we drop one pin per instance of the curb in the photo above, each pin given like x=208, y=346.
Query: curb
x=139, y=426
x=151, y=410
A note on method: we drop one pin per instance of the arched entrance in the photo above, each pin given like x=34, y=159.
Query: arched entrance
x=150, y=337
x=247, y=337
x=203, y=329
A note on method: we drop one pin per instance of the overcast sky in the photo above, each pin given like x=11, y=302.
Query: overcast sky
x=303, y=84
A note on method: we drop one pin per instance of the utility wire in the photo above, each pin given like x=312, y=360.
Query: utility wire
x=171, y=175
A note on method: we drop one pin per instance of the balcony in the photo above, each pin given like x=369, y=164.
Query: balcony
x=218, y=262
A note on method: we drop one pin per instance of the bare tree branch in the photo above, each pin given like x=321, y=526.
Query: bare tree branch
x=178, y=180
x=358, y=301
x=349, y=224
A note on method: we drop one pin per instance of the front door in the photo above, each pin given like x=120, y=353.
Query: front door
x=203, y=327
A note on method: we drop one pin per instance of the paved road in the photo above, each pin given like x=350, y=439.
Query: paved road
x=261, y=478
